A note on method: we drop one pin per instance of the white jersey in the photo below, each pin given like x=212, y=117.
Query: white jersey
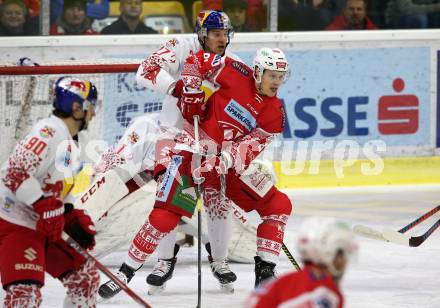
x=43, y=163
x=160, y=71
x=135, y=151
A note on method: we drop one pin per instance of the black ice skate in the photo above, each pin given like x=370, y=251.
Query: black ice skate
x=263, y=270
x=110, y=288
x=162, y=272
x=222, y=272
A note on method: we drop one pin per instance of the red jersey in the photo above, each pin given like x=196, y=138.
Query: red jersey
x=304, y=289
x=236, y=113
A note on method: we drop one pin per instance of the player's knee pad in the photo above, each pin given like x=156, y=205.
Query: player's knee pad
x=22, y=295
x=277, y=205
x=163, y=220
x=82, y=286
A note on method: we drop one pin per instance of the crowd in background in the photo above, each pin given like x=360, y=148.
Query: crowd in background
x=70, y=17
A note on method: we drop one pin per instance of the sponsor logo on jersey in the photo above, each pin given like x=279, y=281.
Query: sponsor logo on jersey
x=133, y=138
x=240, y=67
x=68, y=156
x=172, y=43
x=170, y=175
x=216, y=60
x=47, y=132
x=30, y=254
x=283, y=117
x=8, y=204
x=241, y=115
x=28, y=267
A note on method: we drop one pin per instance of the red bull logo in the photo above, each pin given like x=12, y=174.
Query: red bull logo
x=53, y=189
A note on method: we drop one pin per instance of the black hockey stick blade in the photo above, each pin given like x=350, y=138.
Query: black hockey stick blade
x=411, y=241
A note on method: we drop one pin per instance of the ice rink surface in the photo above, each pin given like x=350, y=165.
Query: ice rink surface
x=384, y=274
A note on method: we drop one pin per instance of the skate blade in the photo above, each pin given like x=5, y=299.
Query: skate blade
x=154, y=290
x=227, y=287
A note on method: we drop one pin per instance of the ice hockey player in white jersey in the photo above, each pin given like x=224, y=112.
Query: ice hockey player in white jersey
x=33, y=216
x=159, y=72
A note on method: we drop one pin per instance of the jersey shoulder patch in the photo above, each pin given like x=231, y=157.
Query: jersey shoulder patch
x=241, y=68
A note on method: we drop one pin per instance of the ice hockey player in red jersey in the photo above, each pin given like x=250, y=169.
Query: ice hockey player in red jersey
x=239, y=121
x=32, y=213
x=160, y=72
x=326, y=247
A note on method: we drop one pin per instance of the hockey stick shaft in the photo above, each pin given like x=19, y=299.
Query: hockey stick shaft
x=290, y=257
x=416, y=241
x=420, y=219
x=72, y=243
x=199, y=217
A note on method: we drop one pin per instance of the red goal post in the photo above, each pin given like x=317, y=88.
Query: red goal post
x=26, y=94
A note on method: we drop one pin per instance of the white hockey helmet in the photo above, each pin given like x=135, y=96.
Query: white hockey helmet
x=321, y=239
x=270, y=59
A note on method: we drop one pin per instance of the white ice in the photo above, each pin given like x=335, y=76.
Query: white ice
x=384, y=275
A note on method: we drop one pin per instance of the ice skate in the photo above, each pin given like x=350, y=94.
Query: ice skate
x=222, y=272
x=162, y=272
x=224, y=275
x=263, y=270
x=110, y=288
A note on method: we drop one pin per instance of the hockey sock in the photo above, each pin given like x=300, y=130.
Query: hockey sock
x=82, y=286
x=22, y=295
x=270, y=235
x=165, y=249
x=158, y=225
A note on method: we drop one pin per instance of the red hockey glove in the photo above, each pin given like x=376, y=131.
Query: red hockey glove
x=199, y=66
x=211, y=168
x=192, y=104
x=210, y=63
x=80, y=226
x=192, y=72
x=178, y=89
x=51, y=221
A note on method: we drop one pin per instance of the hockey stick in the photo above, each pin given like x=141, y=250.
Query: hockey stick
x=199, y=216
x=72, y=243
x=375, y=234
x=420, y=219
x=404, y=239
x=290, y=257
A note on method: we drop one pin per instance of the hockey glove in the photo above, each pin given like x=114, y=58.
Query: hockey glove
x=192, y=72
x=192, y=104
x=210, y=169
x=51, y=220
x=80, y=226
x=178, y=89
x=198, y=67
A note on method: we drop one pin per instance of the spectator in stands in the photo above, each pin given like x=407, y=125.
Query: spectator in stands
x=73, y=20
x=256, y=12
x=407, y=14
x=33, y=7
x=129, y=21
x=95, y=9
x=236, y=10
x=354, y=17
x=304, y=15
x=13, y=19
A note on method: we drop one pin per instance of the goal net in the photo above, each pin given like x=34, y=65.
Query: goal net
x=26, y=97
